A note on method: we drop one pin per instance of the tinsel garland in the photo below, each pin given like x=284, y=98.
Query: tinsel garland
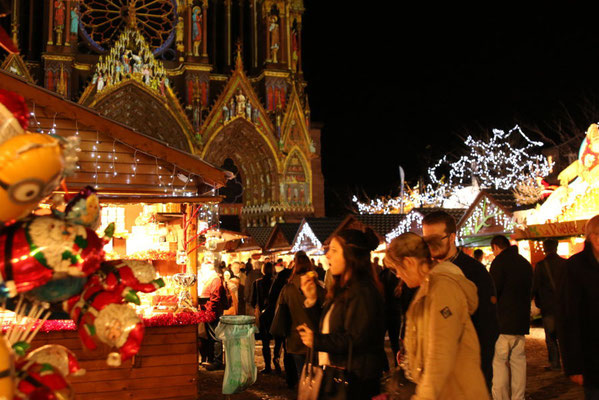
x=167, y=319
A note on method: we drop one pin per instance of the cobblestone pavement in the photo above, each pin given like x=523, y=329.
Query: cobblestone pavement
x=541, y=384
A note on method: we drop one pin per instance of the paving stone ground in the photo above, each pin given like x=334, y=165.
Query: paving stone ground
x=541, y=384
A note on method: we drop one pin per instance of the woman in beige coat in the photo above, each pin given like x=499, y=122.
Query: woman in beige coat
x=442, y=353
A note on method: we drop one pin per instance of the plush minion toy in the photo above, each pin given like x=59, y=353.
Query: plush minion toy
x=31, y=167
x=7, y=369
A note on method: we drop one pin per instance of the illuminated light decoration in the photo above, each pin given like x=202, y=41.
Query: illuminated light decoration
x=486, y=214
x=405, y=225
x=306, y=232
x=494, y=164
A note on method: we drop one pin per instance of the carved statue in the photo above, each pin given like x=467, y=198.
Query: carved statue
x=180, y=36
x=248, y=111
x=295, y=50
x=74, y=23
x=273, y=29
x=197, y=30
x=59, y=20
x=225, y=113
x=100, y=83
x=240, y=100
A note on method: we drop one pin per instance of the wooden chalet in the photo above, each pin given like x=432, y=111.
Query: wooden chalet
x=491, y=213
x=281, y=237
x=128, y=167
x=412, y=221
x=313, y=233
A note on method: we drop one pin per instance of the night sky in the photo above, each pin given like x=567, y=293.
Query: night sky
x=398, y=87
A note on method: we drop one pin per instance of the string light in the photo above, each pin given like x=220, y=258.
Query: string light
x=305, y=233
x=489, y=164
x=406, y=225
x=112, y=170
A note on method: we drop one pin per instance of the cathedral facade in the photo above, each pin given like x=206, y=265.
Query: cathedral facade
x=221, y=79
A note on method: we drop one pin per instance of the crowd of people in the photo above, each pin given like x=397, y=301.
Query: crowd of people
x=457, y=329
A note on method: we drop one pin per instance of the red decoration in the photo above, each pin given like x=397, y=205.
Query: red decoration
x=16, y=105
x=44, y=246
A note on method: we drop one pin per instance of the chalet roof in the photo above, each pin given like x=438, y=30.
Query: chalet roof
x=505, y=199
x=456, y=213
x=289, y=230
x=90, y=119
x=260, y=234
x=380, y=223
x=323, y=227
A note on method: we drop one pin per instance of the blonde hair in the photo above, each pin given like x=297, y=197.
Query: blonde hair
x=592, y=226
x=407, y=245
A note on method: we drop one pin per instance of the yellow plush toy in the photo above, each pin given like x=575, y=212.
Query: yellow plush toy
x=31, y=167
x=7, y=370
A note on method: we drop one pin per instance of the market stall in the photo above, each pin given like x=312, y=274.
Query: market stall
x=156, y=205
x=564, y=213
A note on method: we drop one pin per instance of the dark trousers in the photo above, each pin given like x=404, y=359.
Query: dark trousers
x=266, y=350
x=211, y=349
x=591, y=392
x=298, y=360
x=551, y=341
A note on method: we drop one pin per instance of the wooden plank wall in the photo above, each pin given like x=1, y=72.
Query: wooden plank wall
x=165, y=368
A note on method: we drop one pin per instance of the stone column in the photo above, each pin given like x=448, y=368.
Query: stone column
x=205, y=29
x=50, y=22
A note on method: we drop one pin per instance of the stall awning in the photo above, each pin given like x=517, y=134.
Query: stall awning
x=101, y=138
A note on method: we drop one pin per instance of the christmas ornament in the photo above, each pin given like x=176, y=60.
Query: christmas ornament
x=45, y=248
x=129, y=276
x=41, y=381
x=84, y=209
x=59, y=357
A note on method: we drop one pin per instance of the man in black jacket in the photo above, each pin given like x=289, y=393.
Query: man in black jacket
x=512, y=274
x=439, y=231
x=548, y=276
x=579, y=314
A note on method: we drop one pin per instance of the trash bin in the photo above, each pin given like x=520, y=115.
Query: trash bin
x=237, y=334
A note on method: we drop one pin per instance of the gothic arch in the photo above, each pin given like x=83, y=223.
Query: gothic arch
x=297, y=179
x=241, y=142
x=131, y=103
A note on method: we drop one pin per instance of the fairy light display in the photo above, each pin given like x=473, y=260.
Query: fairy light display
x=406, y=224
x=305, y=233
x=110, y=169
x=484, y=215
x=495, y=163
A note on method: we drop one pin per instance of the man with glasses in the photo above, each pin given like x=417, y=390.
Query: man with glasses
x=439, y=232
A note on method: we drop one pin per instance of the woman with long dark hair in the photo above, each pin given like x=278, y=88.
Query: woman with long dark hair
x=351, y=321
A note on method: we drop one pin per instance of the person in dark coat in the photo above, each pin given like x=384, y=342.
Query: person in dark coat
x=292, y=299
x=279, y=281
x=251, y=277
x=512, y=274
x=394, y=312
x=260, y=303
x=578, y=320
x=548, y=276
x=352, y=315
x=439, y=231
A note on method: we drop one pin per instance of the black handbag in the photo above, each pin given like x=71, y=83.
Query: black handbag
x=329, y=382
x=310, y=379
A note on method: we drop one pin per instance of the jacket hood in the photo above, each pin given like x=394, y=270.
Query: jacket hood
x=451, y=271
